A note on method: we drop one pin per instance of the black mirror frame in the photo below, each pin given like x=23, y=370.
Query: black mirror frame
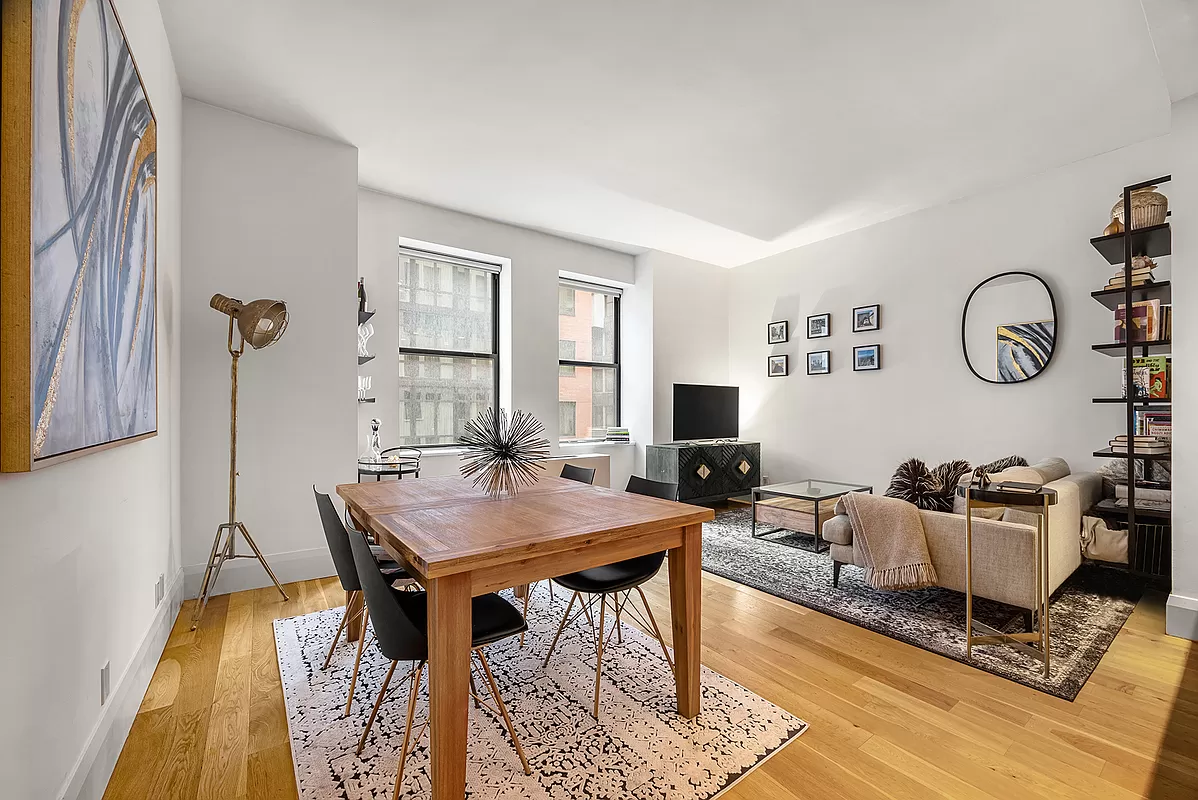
x=965, y=315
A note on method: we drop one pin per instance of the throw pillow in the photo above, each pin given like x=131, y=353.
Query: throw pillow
x=948, y=474
x=914, y=482
x=1004, y=463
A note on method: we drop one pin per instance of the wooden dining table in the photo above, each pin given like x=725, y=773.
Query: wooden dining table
x=459, y=543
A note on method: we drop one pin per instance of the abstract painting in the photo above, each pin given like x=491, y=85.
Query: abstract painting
x=1024, y=349
x=92, y=270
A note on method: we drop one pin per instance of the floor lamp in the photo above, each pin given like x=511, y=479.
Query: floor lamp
x=259, y=324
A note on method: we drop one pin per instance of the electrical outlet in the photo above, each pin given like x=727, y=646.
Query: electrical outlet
x=105, y=681
x=765, y=479
x=159, y=589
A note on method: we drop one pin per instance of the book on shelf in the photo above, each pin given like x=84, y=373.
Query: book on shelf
x=1144, y=505
x=1152, y=376
x=1144, y=493
x=1146, y=322
x=1141, y=449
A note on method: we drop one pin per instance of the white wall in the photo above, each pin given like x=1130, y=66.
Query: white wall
x=924, y=402
x=1182, y=611
x=690, y=330
x=528, y=346
x=269, y=213
x=85, y=541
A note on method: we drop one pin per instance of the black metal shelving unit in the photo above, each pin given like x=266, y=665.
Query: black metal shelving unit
x=1147, y=546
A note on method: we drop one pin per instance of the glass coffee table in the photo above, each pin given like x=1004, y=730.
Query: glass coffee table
x=797, y=507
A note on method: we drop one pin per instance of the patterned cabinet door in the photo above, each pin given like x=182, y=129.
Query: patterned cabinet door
x=699, y=475
x=742, y=464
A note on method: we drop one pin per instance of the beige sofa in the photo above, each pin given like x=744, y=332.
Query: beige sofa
x=1003, y=549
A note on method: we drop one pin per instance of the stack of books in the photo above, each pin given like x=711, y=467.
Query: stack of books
x=1145, y=445
x=1146, y=498
x=618, y=435
x=1150, y=322
x=1154, y=423
x=1141, y=274
x=1152, y=375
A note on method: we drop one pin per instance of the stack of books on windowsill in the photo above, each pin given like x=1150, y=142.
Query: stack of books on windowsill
x=1141, y=274
x=1145, y=445
x=618, y=435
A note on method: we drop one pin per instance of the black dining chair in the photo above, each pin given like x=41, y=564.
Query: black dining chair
x=617, y=582
x=401, y=634
x=347, y=572
x=570, y=473
x=580, y=474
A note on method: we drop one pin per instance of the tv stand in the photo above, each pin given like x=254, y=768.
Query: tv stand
x=706, y=472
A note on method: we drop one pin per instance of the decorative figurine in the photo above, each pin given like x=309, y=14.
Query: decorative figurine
x=500, y=456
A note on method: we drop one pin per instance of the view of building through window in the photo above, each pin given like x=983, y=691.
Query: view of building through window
x=588, y=353
x=447, y=348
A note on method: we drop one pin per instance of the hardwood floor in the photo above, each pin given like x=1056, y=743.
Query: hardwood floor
x=887, y=720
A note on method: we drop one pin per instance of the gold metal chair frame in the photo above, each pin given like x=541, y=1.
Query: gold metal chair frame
x=621, y=604
x=410, y=742
x=1036, y=643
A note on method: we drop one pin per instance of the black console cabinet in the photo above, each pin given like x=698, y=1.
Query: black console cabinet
x=706, y=473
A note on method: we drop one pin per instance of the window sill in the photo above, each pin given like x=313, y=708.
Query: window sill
x=593, y=443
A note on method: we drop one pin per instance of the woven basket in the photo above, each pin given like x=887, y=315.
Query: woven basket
x=1148, y=207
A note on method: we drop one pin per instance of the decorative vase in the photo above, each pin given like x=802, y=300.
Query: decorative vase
x=502, y=457
x=1148, y=207
x=1115, y=228
x=373, y=454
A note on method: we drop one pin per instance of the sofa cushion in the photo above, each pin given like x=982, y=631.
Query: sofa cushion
x=838, y=530
x=1051, y=469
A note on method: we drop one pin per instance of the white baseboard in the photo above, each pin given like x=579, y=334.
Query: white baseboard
x=1181, y=617
x=89, y=777
x=247, y=573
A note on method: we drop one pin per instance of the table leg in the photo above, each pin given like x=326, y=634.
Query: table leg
x=968, y=578
x=818, y=538
x=353, y=615
x=449, y=682
x=686, y=592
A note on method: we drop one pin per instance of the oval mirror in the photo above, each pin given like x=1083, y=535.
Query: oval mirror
x=1009, y=328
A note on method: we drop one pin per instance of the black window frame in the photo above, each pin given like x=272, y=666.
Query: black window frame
x=615, y=294
x=493, y=356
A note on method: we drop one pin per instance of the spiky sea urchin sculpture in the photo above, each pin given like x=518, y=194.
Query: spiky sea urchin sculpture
x=503, y=456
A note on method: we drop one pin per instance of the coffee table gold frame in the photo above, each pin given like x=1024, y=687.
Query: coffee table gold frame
x=1036, y=643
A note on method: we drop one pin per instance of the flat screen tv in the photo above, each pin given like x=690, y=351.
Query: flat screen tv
x=706, y=412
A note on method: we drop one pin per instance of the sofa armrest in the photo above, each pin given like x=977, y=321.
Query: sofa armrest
x=838, y=530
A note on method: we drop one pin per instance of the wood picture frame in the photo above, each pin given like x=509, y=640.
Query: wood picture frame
x=819, y=326
x=867, y=358
x=867, y=318
x=819, y=362
x=777, y=366
x=78, y=269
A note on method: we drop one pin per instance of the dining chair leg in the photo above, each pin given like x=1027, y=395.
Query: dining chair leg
x=560, y=628
x=619, y=632
x=337, y=637
x=527, y=595
x=407, y=731
x=599, y=651
x=507, y=720
x=374, y=712
x=656, y=631
x=353, y=681
x=473, y=688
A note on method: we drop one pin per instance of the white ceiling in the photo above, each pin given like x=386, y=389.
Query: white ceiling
x=722, y=131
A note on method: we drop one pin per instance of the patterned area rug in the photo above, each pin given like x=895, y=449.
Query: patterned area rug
x=640, y=748
x=1086, y=612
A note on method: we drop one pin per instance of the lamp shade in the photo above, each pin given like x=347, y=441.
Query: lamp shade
x=260, y=322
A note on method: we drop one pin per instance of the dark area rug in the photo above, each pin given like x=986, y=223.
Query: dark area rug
x=1086, y=612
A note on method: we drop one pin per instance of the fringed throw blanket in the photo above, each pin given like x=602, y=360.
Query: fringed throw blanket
x=892, y=541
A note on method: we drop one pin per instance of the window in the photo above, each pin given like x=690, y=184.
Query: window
x=588, y=345
x=448, y=346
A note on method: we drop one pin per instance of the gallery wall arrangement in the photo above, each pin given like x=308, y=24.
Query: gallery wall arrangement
x=866, y=358
x=77, y=256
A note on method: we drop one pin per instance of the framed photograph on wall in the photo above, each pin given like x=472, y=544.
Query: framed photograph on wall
x=778, y=332
x=819, y=362
x=78, y=266
x=819, y=326
x=867, y=357
x=867, y=318
x=778, y=366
